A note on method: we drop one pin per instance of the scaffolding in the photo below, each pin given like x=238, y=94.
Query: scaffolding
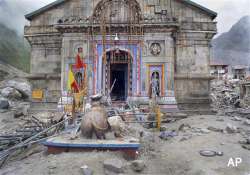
x=113, y=19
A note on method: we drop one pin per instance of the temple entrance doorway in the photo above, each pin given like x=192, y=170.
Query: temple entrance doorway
x=118, y=74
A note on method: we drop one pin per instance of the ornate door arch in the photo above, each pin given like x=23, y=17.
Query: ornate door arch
x=117, y=11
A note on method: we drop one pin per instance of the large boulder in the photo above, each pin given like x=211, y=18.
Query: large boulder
x=11, y=93
x=22, y=86
x=114, y=165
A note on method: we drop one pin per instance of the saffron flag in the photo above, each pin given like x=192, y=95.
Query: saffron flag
x=72, y=84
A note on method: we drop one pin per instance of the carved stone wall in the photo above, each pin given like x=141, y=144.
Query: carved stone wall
x=176, y=37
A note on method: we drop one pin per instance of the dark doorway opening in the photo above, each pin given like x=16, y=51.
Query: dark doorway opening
x=119, y=72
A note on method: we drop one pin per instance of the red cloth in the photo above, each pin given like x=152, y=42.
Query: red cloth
x=79, y=63
x=75, y=86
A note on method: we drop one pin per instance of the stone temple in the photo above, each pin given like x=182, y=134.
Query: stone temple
x=128, y=42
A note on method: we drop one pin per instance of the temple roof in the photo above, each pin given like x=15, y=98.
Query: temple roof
x=43, y=9
x=58, y=2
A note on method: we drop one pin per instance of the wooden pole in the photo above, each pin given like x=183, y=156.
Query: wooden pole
x=158, y=114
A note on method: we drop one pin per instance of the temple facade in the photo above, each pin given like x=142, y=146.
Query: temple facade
x=135, y=47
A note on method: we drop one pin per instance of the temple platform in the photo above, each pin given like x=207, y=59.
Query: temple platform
x=64, y=143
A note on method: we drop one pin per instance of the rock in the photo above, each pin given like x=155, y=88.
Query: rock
x=11, y=93
x=205, y=131
x=114, y=165
x=211, y=128
x=179, y=115
x=246, y=147
x=21, y=110
x=229, y=111
x=18, y=114
x=246, y=122
x=235, y=118
x=184, y=127
x=51, y=167
x=23, y=87
x=167, y=134
x=86, y=170
x=230, y=129
x=220, y=120
x=4, y=103
x=200, y=130
x=163, y=128
x=138, y=165
x=117, y=125
x=245, y=113
x=237, y=103
x=184, y=138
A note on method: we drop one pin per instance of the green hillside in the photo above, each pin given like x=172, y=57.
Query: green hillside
x=14, y=49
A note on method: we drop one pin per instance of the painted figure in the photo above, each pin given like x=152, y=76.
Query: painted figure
x=155, y=85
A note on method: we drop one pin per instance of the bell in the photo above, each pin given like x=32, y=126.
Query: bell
x=116, y=37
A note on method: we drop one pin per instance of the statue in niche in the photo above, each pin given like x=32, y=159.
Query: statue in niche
x=155, y=49
x=155, y=85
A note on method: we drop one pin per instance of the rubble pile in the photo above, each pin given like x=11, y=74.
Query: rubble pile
x=225, y=95
x=31, y=131
x=27, y=128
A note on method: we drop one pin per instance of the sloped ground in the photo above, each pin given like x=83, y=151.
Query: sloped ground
x=7, y=71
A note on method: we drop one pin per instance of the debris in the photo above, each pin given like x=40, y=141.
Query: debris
x=52, y=167
x=211, y=128
x=117, y=125
x=26, y=136
x=4, y=104
x=200, y=130
x=11, y=93
x=163, y=128
x=184, y=127
x=231, y=129
x=204, y=131
x=245, y=113
x=235, y=118
x=138, y=165
x=226, y=96
x=18, y=114
x=134, y=140
x=148, y=136
x=210, y=153
x=246, y=122
x=247, y=141
x=86, y=170
x=114, y=165
x=220, y=120
x=177, y=115
x=184, y=138
x=237, y=103
x=247, y=147
x=230, y=111
x=167, y=134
